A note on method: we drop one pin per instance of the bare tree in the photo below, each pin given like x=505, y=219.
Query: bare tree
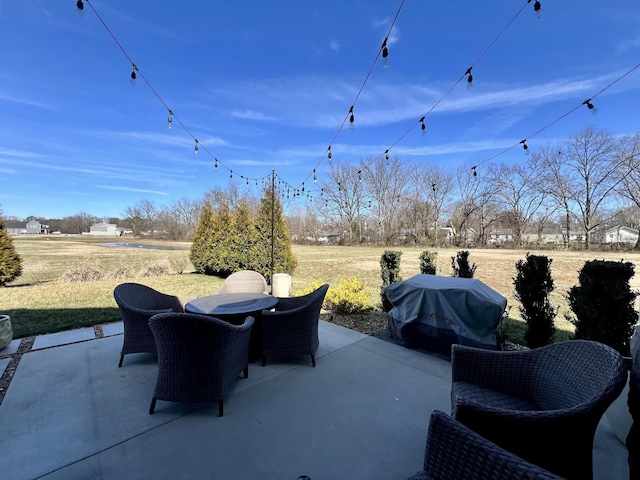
x=516, y=190
x=231, y=196
x=432, y=187
x=133, y=219
x=343, y=196
x=387, y=184
x=149, y=213
x=592, y=157
x=78, y=223
x=630, y=183
x=186, y=213
x=468, y=189
x=558, y=182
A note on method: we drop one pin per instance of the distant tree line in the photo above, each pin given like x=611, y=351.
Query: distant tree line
x=573, y=189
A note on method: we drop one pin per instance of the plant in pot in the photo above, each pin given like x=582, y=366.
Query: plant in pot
x=603, y=305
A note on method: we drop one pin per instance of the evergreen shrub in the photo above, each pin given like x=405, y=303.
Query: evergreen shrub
x=461, y=267
x=533, y=285
x=428, y=262
x=603, y=303
x=10, y=262
x=390, y=273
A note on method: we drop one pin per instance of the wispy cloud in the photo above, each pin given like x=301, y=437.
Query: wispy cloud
x=334, y=45
x=129, y=189
x=26, y=101
x=630, y=44
x=252, y=115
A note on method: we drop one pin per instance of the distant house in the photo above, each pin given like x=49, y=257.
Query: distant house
x=620, y=234
x=26, y=228
x=105, y=230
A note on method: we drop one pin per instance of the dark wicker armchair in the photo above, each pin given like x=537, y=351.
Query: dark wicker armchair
x=544, y=405
x=292, y=328
x=455, y=452
x=138, y=303
x=199, y=357
x=244, y=281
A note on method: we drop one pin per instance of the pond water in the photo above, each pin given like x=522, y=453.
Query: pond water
x=141, y=245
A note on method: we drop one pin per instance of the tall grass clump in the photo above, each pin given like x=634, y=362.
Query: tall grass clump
x=82, y=272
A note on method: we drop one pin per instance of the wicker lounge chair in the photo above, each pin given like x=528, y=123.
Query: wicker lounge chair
x=292, y=328
x=138, y=303
x=244, y=281
x=199, y=357
x=543, y=405
x=455, y=452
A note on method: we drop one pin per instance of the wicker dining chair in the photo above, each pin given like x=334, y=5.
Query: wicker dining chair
x=138, y=303
x=199, y=357
x=244, y=281
x=454, y=452
x=543, y=405
x=292, y=328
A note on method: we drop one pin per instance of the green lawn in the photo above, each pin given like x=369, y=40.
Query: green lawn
x=39, y=302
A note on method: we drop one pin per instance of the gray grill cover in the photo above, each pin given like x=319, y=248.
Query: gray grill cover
x=433, y=312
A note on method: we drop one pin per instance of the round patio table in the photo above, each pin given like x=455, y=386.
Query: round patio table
x=234, y=308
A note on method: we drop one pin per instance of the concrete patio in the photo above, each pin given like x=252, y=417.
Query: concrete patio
x=362, y=413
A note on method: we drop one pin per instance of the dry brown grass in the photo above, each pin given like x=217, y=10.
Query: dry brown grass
x=40, y=307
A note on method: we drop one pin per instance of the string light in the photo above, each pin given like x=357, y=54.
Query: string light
x=475, y=173
x=433, y=185
x=196, y=148
x=133, y=74
x=423, y=127
x=469, y=78
x=385, y=54
x=537, y=7
x=216, y=164
x=590, y=106
x=352, y=118
x=80, y=8
x=360, y=175
x=315, y=177
x=230, y=173
x=525, y=146
x=386, y=154
x=170, y=119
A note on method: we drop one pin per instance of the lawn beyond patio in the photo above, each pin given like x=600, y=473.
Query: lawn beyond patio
x=38, y=302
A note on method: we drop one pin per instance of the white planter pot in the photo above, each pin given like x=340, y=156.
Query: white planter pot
x=6, y=331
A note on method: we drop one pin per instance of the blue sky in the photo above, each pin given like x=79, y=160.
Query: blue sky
x=267, y=85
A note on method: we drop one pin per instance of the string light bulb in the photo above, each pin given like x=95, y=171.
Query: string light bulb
x=329, y=155
x=423, y=127
x=386, y=154
x=469, y=78
x=80, y=8
x=433, y=186
x=352, y=118
x=170, y=119
x=230, y=174
x=303, y=186
x=132, y=81
x=385, y=54
x=590, y=106
x=215, y=167
x=315, y=177
x=475, y=172
x=537, y=8
x=525, y=147
x=196, y=147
